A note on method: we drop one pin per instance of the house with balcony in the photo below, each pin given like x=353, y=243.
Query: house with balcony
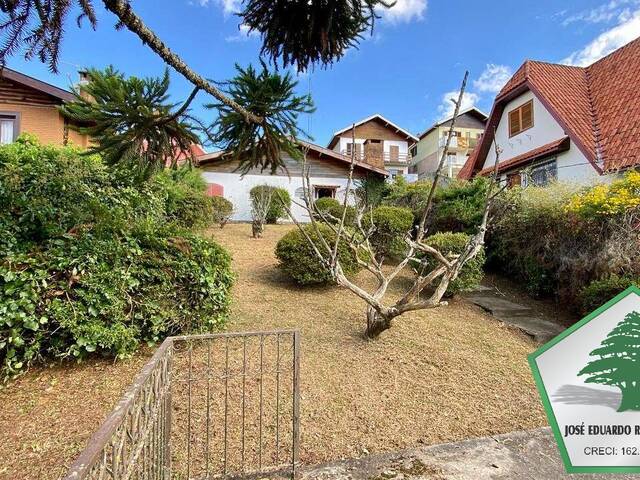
x=378, y=142
x=468, y=130
x=560, y=122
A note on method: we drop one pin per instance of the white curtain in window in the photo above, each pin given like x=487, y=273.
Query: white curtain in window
x=6, y=131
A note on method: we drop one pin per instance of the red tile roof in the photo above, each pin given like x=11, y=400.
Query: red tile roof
x=556, y=146
x=597, y=106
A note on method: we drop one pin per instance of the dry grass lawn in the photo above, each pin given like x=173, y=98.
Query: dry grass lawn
x=436, y=376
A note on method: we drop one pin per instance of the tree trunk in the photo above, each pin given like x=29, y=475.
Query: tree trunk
x=257, y=228
x=630, y=398
x=376, y=323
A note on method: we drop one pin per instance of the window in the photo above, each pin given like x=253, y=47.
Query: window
x=350, y=148
x=543, y=173
x=521, y=118
x=8, y=128
x=324, y=191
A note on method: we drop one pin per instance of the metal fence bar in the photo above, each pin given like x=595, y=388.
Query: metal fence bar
x=137, y=440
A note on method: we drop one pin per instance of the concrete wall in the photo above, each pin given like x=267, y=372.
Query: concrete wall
x=237, y=188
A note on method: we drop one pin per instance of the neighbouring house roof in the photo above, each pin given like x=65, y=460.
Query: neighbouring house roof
x=321, y=151
x=47, y=88
x=550, y=148
x=375, y=116
x=597, y=107
x=473, y=111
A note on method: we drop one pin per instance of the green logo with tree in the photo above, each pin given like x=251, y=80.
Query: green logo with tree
x=618, y=364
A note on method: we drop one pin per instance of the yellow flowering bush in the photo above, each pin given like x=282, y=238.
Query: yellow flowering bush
x=608, y=199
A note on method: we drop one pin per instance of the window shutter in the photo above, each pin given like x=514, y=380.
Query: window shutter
x=514, y=122
x=394, y=152
x=527, y=116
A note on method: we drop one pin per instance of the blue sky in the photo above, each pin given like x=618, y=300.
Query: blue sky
x=417, y=54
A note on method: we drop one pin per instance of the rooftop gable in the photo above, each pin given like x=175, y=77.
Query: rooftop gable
x=375, y=117
x=596, y=106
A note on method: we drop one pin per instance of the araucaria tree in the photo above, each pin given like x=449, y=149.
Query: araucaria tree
x=618, y=362
x=434, y=269
x=300, y=33
x=131, y=120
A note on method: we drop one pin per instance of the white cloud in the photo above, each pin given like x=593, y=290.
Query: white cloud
x=228, y=6
x=628, y=29
x=614, y=9
x=446, y=108
x=243, y=34
x=405, y=11
x=493, y=78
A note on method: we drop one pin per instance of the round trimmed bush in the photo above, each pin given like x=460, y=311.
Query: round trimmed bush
x=222, y=210
x=298, y=259
x=449, y=243
x=332, y=207
x=391, y=225
x=277, y=208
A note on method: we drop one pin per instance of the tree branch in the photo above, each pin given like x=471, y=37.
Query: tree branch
x=122, y=9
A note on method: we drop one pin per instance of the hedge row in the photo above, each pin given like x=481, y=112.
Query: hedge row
x=92, y=262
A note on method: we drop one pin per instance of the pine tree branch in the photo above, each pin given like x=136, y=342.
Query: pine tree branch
x=122, y=9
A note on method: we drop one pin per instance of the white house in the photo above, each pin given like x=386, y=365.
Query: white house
x=573, y=124
x=378, y=142
x=328, y=173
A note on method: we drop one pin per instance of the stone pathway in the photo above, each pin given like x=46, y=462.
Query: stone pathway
x=520, y=316
x=531, y=455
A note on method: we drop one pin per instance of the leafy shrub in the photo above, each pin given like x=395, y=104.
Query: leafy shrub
x=458, y=206
x=277, y=208
x=390, y=225
x=600, y=291
x=453, y=243
x=333, y=209
x=94, y=263
x=542, y=238
x=298, y=259
x=222, y=210
x=371, y=190
x=186, y=202
x=279, y=195
x=608, y=199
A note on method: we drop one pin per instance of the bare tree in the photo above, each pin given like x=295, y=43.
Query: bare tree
x=379, y=313
x=261, y=198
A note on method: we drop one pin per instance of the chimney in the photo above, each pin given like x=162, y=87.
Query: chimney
x=83, y=82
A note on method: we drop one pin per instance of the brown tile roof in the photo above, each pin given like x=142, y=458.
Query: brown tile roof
x=331, y=154
x=597, y=106
x=550, y=148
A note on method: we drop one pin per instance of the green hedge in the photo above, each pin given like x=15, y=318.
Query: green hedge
x=547, y=239
x=333, y=209
x=298, y=259
x=390, y=225
x=449, y=243
x=93, y=263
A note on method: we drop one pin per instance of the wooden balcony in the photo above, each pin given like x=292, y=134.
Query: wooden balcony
x=459, y=143
x=376, y=158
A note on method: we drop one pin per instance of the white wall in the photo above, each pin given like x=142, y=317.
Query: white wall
x=403, y=146
x=236, y=189
x=341, y=146
x=573, y=166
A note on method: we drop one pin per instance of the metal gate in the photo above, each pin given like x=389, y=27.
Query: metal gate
x=204, y=406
